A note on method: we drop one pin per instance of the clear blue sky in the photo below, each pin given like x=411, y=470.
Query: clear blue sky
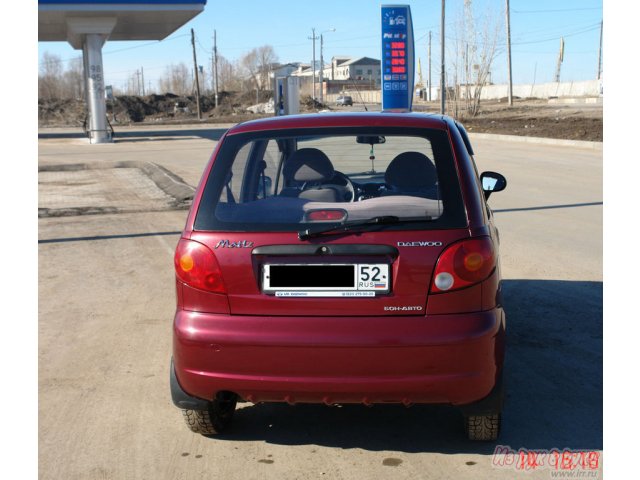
x=536, y=27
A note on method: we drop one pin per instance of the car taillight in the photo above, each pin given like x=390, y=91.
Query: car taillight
x=197, y=266
x=464, y=264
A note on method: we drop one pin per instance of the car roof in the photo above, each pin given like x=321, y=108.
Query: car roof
x=358, y=119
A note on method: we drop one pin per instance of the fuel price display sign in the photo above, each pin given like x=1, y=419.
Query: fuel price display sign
x=397, y=58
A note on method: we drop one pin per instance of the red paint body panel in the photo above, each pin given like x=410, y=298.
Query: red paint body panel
x=200, y=301
x=411, y=272
x=369, y=119
x=422, y=359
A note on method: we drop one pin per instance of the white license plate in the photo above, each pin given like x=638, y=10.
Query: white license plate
x=341, y=280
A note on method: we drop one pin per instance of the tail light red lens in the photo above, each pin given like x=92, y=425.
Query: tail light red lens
x=197, y=266
x=334, y=215
x=464, y=264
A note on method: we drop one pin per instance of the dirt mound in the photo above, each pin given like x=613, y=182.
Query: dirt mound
x=569, y=128
x=538, y=118
x=61, y=112
x=528, y=117
x=127, y=109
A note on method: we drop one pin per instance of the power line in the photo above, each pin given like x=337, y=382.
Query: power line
x=557, y=10
x=143, y=45
x=593, y=27
x=596, y=27
x=121, y=49
x=553, y=53
x=205, y=50
x=551, y=30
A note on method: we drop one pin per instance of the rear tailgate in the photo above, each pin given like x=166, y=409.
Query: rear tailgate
x=411, y=256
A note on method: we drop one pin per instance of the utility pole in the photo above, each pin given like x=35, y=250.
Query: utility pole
x=600, y=54
x=215, y=66
x=560, y=60
x=138, y=82
x=195, y=69
x=429, y=80
x=313, y=64
x=443, y=93
x=321, y=69
x=322, y=65
x=142, y=73
x=509, y=56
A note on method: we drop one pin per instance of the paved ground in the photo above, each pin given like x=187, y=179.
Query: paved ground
x=106, y=302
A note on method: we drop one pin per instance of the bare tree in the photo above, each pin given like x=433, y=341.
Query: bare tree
x=256, y=65
x=475, y=50
x=249, y=69
x=50, y=77
x=177, y=79
x=73, y=80
x=57, y=82
x=227, y=75
x=266, y=59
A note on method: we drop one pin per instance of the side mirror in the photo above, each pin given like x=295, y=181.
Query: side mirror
x=492, y=182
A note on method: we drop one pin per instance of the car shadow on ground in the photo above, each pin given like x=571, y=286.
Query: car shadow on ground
x=553, y=379
x=121, y=136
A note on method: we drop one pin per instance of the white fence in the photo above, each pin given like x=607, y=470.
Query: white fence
x=366, y=96
x=587, y=88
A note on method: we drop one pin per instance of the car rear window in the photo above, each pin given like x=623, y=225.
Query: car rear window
x=285, y=180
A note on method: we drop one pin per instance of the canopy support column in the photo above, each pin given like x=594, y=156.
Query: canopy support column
x=92, y=51
x=90, y=34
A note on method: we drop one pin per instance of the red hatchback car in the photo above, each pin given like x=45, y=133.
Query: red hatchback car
x=340, y=258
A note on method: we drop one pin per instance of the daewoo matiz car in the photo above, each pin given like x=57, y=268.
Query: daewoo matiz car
x=340, y=258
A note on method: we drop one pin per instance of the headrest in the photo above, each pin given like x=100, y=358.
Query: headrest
x=308, y=165
x=411, y=170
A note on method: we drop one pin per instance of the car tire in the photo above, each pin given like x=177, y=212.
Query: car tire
x=483, y=427
x=214, y=420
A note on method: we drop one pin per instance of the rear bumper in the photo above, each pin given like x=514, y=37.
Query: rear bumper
x=450, y=359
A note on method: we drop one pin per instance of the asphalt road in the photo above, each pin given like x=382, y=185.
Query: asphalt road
x=106, y=302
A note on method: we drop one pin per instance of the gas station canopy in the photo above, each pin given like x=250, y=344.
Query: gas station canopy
x=88, y=24
x=132, y=20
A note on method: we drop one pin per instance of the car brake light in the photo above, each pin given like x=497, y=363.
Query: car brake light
x=197, y=266
x=464, y=264
x=326, y=215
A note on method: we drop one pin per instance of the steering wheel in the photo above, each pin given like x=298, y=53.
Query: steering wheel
x=340, y=179
x=340, y=182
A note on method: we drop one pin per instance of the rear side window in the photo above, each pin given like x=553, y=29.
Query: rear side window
x=286, y=180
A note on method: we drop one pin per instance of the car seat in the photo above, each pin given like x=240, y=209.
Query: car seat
x=309, y=166
x=412, y=173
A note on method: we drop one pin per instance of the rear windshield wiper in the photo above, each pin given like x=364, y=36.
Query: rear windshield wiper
x=357, y=225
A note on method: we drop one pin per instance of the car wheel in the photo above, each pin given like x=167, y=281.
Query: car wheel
x=215, y=419
x=483, y=427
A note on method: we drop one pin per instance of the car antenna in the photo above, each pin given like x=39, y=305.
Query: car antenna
x=358, y=92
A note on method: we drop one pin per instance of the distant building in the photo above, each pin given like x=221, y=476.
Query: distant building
x=361, y=69
x=341, y=73
x=283, y=70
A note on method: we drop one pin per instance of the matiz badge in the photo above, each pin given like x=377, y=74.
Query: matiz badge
x=238, y=244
